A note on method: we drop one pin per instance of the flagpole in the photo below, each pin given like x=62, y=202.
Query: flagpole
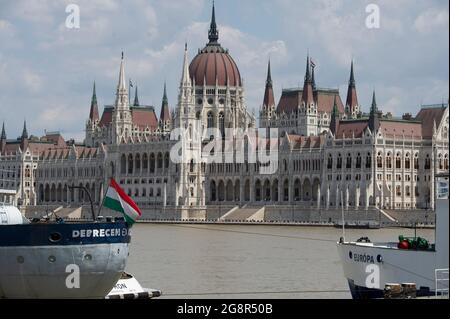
x=103, y=200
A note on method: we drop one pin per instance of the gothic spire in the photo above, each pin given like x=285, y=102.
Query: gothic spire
x=186, y=78
x=3, y=136
x=213, y=33
x=165, y=112
x=352, y=97
x=334, y=117
x=24, y=132
x=93, y=114
x=269, y=76
x=136, y=98
x=374, y=107
x=269, y=100
x=307, y=96
x=374, y=117
x=122, y=91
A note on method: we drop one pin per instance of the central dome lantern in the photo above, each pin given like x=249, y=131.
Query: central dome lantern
x=213, y=64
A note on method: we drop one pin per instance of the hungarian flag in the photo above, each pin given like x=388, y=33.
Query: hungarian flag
x=117, y=200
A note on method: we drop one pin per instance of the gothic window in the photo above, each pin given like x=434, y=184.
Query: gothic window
x=398, y=190
x=446, y=162
x=389, y=161
x=210, y=120
x=398, y=161
x=407, y=161
x=152, y=163
x=349, y=161
x=222, y=124
x=358, y=161
x=416, y=161
x=166, y=161
x=427, y=162
x=130, y=164
x=138, y=162
x=339, y=161
x=368, y=161
x=145, y=161
x=408, y=191
x=330, y=162
x=440, y=161
x=379, y=161
x=160, y=161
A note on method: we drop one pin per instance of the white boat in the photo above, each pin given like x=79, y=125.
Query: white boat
x=369, y=266
x=129, y=288
x=59, y=259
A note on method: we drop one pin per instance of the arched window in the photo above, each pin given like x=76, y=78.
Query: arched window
x=389, y=161
x=358, y=161
x=152, y=163
x=446, y=162
x=349, y=161
x=130, y=164
x=339, y=162
x=159, y=161
x=440, y=161
x=407, y=161
x=427, y=162
x=222, y=124
x=330, y=162
x=210, y=120
x=398, y=161
x=416, y=161
x=166, y=161
x=145, y=161
x=138, y=162
x=379, y=160
x=368, y=161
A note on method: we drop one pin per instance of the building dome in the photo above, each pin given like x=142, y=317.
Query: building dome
x=214, y=62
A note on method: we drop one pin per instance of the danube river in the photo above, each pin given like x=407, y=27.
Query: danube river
x=215, y=261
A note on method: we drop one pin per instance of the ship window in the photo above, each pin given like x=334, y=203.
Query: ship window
x=51, y=259
x=20, y=259
x=55, y=237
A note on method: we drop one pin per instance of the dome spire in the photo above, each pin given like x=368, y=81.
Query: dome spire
x=24, y=132
x=213, y=33
x=269, y=100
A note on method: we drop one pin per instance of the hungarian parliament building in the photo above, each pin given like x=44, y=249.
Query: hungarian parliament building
x=331, y=153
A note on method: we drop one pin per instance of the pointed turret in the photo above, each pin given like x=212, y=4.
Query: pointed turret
x=307, y=96
x=3, y=139
x=93, y=114
x=374, y=121
x=3, y=136
x=122, y=92
x=165, y=112
x=269, y=100
x=24, y=131
x=334, y=124
x=186, y=78
x=136, y=98
x=213, y=33
x=352, y=106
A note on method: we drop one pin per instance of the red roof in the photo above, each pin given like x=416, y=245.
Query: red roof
x=428, y=116
x=106, y=116
x=144, y=117
x=348, y=128
x=391, y=128
x=305, y=141
x=291, y=99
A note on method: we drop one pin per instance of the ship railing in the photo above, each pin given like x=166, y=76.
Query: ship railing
x=441, y=279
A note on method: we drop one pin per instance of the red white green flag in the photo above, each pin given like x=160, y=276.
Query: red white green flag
x=117, y=200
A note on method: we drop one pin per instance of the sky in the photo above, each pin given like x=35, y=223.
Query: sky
x=47, y=70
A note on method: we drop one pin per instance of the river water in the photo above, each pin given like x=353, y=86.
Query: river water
x=216, y=261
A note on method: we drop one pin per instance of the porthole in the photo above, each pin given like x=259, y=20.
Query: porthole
x=51, y=259
x=88, y=257
x=20, y=259
x=55, y=237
